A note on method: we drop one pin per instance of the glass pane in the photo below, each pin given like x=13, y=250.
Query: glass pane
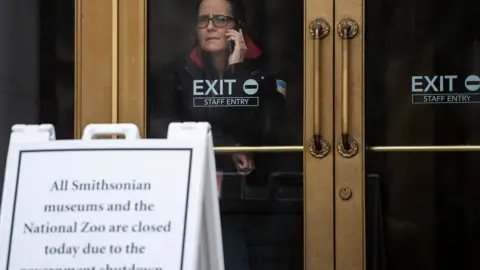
x=36, y=66
x=422, y=67
x=239, y=66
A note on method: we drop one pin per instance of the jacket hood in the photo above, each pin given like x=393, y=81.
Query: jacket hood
x=253, y=52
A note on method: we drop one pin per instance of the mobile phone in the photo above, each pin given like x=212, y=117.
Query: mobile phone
x=231, y=43
x=231, y=46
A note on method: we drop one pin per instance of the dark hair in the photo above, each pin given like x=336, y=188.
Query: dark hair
x=239, y=14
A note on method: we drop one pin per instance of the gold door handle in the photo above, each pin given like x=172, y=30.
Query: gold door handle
x=319, y=147
x=348, y=146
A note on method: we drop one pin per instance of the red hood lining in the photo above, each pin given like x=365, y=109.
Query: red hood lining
x=253, y=52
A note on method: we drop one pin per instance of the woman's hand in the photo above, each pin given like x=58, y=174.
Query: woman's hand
x=240, y=49
x=244, y=163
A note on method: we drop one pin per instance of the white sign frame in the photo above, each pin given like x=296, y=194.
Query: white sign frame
x=202, y=240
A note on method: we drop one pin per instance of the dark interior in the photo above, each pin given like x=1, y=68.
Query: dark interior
x=57, y=55
x=423, y=208
x=37, y=67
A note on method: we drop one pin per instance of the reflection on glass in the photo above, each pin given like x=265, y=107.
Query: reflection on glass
x=36, y=66
x=422, y=61
x=238, y=65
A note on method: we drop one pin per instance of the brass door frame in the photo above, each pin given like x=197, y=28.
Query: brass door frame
x=318, y=173
x=349, y=171
x=95, y=63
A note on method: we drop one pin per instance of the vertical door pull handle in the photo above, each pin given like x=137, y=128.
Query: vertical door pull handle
x=348, y=146
x=319, y=147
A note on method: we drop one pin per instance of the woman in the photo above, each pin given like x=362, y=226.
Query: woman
x=179, y=91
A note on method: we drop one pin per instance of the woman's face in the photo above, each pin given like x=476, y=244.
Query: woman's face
x=212, y=37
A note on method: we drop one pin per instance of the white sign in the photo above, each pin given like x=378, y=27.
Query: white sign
x=214, y=87
x=219, y=93
x=433, y=83
x=472, y=83
x=250, y=87
x=111, y=204
x=444, y=89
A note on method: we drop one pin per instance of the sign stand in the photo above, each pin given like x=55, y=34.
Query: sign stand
x=101, y=204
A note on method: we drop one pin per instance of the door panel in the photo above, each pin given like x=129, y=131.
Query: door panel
x=349, y=135
x=421, y=80
x=132, y=63
x=319, y=182
x=96, y=64
x=265, y=212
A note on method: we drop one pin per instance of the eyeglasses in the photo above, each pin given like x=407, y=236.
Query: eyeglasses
x=218, y=21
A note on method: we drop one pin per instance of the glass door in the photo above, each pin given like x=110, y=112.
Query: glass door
x=55, y=65
x=260, y=72
x=413, y=83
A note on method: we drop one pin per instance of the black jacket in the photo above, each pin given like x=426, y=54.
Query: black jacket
x=171, y=99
